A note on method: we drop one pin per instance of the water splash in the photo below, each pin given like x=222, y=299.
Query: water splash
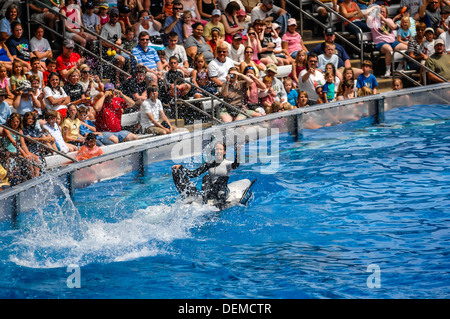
x=57, y=235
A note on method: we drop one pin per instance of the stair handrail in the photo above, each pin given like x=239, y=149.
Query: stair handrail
x=48, y=148
x=212, y=96
x=424, y=68
x=63, y=35
x=341, y=17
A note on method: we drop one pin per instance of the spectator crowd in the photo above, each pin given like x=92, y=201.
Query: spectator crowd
x=248, y=53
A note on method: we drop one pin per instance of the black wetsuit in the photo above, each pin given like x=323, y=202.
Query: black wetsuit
x=214, y=184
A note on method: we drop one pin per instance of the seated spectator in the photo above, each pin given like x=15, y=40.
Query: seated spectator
x=266, y=54
x=148, y=57
x=427, y=46
x=43, y=14
x=281, y=48
x=230, y=21
x=445, y=36
x=40, y=46
x=68, y=59
x=236, y=49
x=147, y=23
x=74, y=24
x=214, y=41
x=109, y=108
x=4, y=84
x=89, y=149
x=136, y=86
x=397, y=84
x=403, y=13
x=266, y=11
x=291, y=93
x=56, y=98
x=176, y=50
x=328, y=57
x=383, y=36
x=5, y=57
x=350, y=10
x=298, y=66
x=254, y=44
x=103, y=14
x=249, y=5
x=90, y=20
x=37, y=93
x=414, y=47
x=32, y=129
x=191, y=5
x=112, y=31
x=200, y=77
x=254, y=89
x=430, y=13
x=152, y=118
x=445, y=20
x=74, y=89
x=24, y=99
x=180, y=88
x=11, y=14
x=174, y=22
x=17, y=75
x=293, y=39
x=248, y=62
x=367, y=79
x=439, y=62
x=71, y=127
x=92, y=85
x=214, y=23
x=218, y=68
x=18, y=45
x=11, y=146
x=87, y=126
x=206, y=9
x=277, y=85
x=197, y=44
x=50, y=67
x=5, y=109
x=222, y=4
x=124, y=17
x=129, y=42
x=187, y=23
x=303, y=99
x=233, y=92
x=311, y=77
x=346, y=91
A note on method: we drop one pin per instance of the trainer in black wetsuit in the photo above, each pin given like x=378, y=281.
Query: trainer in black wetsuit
x=214, y=184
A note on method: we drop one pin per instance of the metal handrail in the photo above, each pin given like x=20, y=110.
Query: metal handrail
x=63, y=35
x=38, y=143
x=212, y=96
x=332, y=11
x=423, y=68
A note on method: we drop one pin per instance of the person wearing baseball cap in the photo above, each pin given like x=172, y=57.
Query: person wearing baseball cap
x=68, y=59
x=214, y=23
x=236, y=49
x=439, y=62
x=277, y=85
x=445, y=35
x=293, y=38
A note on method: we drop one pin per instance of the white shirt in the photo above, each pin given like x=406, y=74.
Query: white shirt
x=148, y=106
x=446, y=37
x=257, y=13
x=236, y=55
x=56, y=94
x=40, y=46
x=220, y=69
x=309, y=86
x=56, y=133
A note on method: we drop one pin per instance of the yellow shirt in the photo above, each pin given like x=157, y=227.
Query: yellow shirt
x=73, y=126
x=3, y=179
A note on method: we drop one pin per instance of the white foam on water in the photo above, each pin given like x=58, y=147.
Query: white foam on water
x=59, y=236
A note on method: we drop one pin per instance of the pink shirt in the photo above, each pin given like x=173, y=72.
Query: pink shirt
x=294, y=41
x=377, y=35
x=4, y=83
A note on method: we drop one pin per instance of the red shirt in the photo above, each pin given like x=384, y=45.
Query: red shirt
x=109, y=119
x=65, y=63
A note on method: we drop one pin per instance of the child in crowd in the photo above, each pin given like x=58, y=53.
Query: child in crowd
x=321, y=95
x=168, y=8
x=292, y=94
x=36, y=69
x=267, y=96
x=103, y=13
x=303, y=99
x=18, y=75
x=214, y=23
x=279, y=52
x=329, y=88
x=172, y=75
x=336, y=75
x=4, y=84
x=427, y=46
x=200, y=77
x=397, y=84
x=51, y=67
x=53, y=129
x=87, y=126
x=298, y=66
x=89, y=149
x=367, y=79
x=241, y=16
x=187, y=23
x=328, y=57
x=214, y=40
x=162, y=57
x=71, y=127
x=129, y=42
x=404, y=33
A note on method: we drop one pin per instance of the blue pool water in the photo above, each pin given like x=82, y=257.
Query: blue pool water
x=342, y=199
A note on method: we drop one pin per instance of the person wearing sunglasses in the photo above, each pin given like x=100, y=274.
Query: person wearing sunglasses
x=430, y=13
x=175, y=23
x=415, y=46
x=218, y=68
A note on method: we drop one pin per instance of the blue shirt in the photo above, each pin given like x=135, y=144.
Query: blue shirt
x=5, y=112
x=370, y=81
x=292, y=97
x=330, y=90
x=148, y=59
x=178, y=28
